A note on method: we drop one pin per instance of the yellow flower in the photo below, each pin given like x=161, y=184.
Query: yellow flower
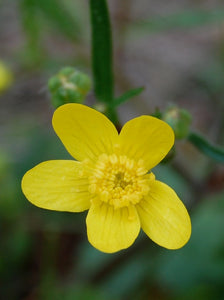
x=5, y=77
x=112, y=179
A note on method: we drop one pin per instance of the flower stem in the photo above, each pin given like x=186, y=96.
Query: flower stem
x=102, y=61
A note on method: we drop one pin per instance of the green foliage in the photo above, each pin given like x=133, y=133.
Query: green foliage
x=59, y=16
x=127, y=96
x=36, y=17
x=54, y=11
x=207, y=148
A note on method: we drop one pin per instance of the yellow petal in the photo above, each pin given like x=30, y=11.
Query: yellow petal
x=110, y=230
x=57, y=185
x=146, y=138
x=164, y=217
x=85, y=132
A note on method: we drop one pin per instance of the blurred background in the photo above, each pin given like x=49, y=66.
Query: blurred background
x=175, y=49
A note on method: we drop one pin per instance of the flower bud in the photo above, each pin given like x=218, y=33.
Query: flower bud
x=69, y=85
x=179, y=120
x=5, y=77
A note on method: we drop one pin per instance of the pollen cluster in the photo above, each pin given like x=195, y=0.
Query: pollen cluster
x=119, y=181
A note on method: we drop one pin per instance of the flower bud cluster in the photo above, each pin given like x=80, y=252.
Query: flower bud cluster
x=69, y=86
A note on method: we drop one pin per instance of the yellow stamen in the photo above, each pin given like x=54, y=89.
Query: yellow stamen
x=119, y=181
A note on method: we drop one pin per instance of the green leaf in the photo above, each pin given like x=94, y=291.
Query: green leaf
x=127, y=96
x=182, y=20
x=101, y=51
x=206, y=147
x=56, y=12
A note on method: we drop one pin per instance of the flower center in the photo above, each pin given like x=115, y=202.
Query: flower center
x=119, y=181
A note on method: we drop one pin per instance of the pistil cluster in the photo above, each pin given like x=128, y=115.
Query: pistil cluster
x=119, y=181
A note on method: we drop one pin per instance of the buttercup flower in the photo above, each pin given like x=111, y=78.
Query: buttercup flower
x=112, y=179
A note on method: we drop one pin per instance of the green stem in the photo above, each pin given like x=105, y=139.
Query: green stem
x=102, y=62
x=209, y=149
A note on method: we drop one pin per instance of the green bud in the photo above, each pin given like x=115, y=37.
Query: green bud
x=179, y=120
x=54, y=84
x=67, y=71
x=69, y=86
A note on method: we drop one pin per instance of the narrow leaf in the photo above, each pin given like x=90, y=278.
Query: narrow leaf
x=209, y=149
x=127, y=96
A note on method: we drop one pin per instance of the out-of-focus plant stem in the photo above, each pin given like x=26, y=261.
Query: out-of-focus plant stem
x=102, y=61
x=206, y=147
x=31, y=26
